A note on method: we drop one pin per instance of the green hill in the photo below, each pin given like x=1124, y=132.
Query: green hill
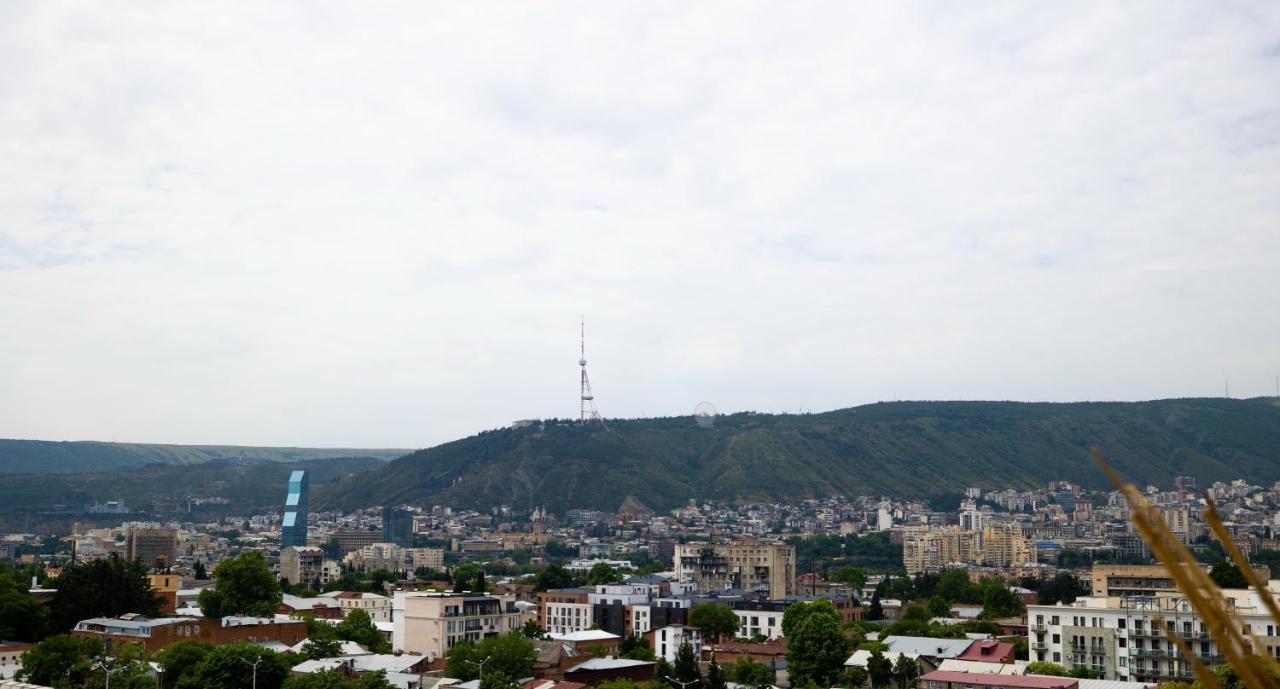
x=50, y=457
x=909, y=449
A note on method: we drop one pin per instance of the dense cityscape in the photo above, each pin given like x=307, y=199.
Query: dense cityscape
x=1053, y=586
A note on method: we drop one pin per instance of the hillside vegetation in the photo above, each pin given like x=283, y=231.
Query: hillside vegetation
x=50, y=457
x=167, y=489
x=909, y=449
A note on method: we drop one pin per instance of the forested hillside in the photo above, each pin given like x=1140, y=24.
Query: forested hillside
x=900, y=448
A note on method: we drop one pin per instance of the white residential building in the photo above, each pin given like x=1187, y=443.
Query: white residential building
x=667, y=641
x=1119, y=636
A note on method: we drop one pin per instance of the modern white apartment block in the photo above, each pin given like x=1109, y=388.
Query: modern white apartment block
x=429, y=623
x=1122, y=638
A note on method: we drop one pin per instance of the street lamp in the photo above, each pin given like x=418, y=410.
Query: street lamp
x=481, y=666
x=108, y=670
x=683, y=684
x=253, y=665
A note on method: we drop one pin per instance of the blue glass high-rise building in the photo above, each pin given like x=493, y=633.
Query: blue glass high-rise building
x=295, y=511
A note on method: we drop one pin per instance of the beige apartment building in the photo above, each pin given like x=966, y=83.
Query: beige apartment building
x=430, y=623
x=303, y=565
x=747, y=565
x=930, y=548
x=152, y=545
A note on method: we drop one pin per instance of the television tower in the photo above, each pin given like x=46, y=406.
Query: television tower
x=587, y=412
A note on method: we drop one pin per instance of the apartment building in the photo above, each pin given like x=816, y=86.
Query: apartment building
x=377, y=606
x=302, y=565
x=564, y=611
x=153, y=545
x=430, y=623
x=1120, y=636
x=1004, y=545
x=754, y=566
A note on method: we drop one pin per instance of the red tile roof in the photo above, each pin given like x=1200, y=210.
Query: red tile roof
x=993, y=680
x=988, y=652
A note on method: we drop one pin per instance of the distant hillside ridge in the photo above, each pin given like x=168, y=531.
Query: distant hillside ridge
x=55, y=457
x=902, y=449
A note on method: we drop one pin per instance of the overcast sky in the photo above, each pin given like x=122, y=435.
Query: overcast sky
x=331, y=225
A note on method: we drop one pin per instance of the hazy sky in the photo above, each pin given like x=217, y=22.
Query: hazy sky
x=357, y=225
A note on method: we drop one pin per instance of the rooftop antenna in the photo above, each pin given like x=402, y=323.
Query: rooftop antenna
x=587, y=412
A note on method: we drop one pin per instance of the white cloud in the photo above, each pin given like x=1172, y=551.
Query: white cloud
x=351, y=225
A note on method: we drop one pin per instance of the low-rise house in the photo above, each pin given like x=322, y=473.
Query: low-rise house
x=589, y=638
x=945, y=679
x=11, y=653
x=156, y=633
x=597, y=670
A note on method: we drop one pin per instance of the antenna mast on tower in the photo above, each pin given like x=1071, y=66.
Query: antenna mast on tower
x=587, y=412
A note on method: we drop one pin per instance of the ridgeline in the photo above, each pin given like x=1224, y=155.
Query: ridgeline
x=52, y=457
x=904, y=449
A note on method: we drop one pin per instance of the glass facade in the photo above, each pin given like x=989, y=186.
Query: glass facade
x=295, y=511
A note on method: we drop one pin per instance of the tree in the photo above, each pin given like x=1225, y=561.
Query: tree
x=854, y=677
x=199, y=571
x=939, y=607
x=1226, y=575
x=855, y=577
x=879, y=670
x=817, y=649
x=61, y=658
x=21, y=617
x=359, y=627
x=715, y=676
x=916, y=613
x=1063, y=588
x=315, y=649
x=481, y=585
x=715, y=621
x=905, y=671
x=685, y=668
x=875, y=611
x=511, y=654
x=956, y=587
x=102, y=588
x=602, y=573
x=464, y=578
x=177, y=659
x=635, y=647
x=128, y=668
x=754, y=674
x=242, y=585
x=1040, y=667
x=231, y=667
x=999, y=600
x=1084, y=673
x=531, y=630
x=553, y=577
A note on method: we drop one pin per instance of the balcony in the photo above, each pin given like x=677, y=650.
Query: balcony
x=1040, y=628
x=1039, y=646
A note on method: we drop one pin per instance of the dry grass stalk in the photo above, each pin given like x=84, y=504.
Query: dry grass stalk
x=1201, y=592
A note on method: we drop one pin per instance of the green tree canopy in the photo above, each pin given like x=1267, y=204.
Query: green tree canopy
x=755, y=674
x=359, y=627
x=939, y=607
x=1226, y=575
x=1041, y=667
x=685, y=668
x=956, y=587
x=232, y=667
x=635, y=647
x=511, y=654
x=179, y=658
x=817, y=648
x=21, y=617
x=553, y=577
x=602, y=573
x=62, y=658
x=905, y=671
x=243, y=585
x=999, y=601
x=715, y=621
x=102, y=588
x=879, y=670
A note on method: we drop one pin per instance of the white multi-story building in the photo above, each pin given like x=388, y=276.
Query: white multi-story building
x=1121, y=638
x=430, y=623
x=667, y=641
x=566, y=618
